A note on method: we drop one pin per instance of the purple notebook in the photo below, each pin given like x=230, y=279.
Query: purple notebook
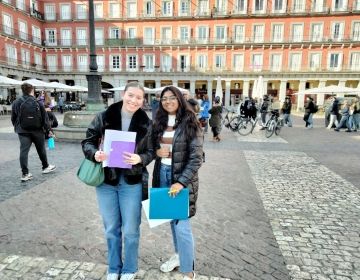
x=118, y=148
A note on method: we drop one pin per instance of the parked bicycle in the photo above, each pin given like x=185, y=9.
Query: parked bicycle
x=231, y=120
x=274, y=124
x=247, y=125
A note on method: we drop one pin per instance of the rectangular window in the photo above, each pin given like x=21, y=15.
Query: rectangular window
x=219, y=61
x=184, y=63
x=131, y=33
x=203, y=7
x=23, y=32
x=20, y=4
x=149, y=8
x=337, y=29
x=318, y=5
x=258, y=33
x=132, y=62
x=239, y=33
x=184, y=7
x=316, y=32
x=166, y=35
x=277, y=32
x=240, y=6
x=298, y=6
x=114, y=11
x=334, y=61
x=297, y=32
x=65, y=11
x=50, y=13
x=259, y=5
x=114, y=33
x=355, y=34
x=98, y=10
x=11, y=54
x=203, y=34
x=278, y=5
x=315, y=61
x=355, y=61
x=51, y=61
x=82, y=62
x=81, y=12
x=220, y=34
x=339, y=5
x=81, y=36
x=295, y=62
x=166, y=63
x=256, y=62
x=131, y=9
x=66, y=37
x=167, y=8
x=8, y=24
x=238, y=62
x=149, y=35
x=220, y=7
x=25, y=57
x=36, y=33
x=275, y=62
x=38, y=61
x=184, y=34
x=50, y=35
x=67, y=63
x=99, y=36
x=100, y=63
x=202, y=62
x=115, y=62
x=149, y=62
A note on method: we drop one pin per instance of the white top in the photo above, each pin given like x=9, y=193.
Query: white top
x=168, y=137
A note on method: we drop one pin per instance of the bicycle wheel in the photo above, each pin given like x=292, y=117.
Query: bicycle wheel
x=234, y=124
x=277, y=129
x=269, y=131
x=245, y=127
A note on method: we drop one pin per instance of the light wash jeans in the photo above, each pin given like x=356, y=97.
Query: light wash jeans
x=287, y=120
x=333, y=120
x=181, y=230
x=120, y=208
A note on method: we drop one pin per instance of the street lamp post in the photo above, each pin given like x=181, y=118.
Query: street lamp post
x=94, y=101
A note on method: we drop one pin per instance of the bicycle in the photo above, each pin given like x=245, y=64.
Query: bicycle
x=247, y=125
x=274, y=124
x=231, y=120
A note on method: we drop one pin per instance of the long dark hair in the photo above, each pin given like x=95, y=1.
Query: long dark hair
x=184, y=117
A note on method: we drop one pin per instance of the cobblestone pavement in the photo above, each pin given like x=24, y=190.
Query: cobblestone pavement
x=256, y=198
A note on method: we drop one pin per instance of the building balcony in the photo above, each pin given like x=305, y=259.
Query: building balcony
x=16, y=34
x=20, y=64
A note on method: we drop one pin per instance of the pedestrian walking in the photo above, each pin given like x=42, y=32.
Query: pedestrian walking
x=309, y=107
x=178, y=139
x=264, y=108
x=204, y=111
x=345, y=114
x=61, y=104
x=30, y=120
x=286, y=111
x=334, y=112
x=119, y=197
x=215, y=119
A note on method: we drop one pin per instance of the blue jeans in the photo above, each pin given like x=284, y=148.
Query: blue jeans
x=120, y=208
x=287, y=120
x=181, y=230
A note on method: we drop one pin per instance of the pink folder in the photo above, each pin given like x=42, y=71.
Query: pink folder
x=118, y=148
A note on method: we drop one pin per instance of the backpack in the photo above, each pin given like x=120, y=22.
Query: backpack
x=316, y=108
x=29, y=114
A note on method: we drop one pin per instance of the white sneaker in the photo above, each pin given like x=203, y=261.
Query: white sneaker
x=112, y=276
x=171, y=264
x=26, y=177
x=49, y=169
x=188, y=278
x=128, y=276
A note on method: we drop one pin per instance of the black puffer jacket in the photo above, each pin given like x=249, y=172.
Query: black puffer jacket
x=186, y=160
x=111, y=119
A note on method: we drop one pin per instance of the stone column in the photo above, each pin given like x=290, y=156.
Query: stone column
x=192, y=88
x=282, y=92
x=175, y=83
x=157, y=83
x=246, y=86
x=300, y=97
x=320, y=98
x=227, y=93
x=209, y=91
x=341, y=84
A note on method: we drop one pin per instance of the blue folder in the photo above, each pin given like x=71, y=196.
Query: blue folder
x=164, y=206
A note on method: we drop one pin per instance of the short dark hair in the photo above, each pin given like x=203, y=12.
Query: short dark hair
x=27, y=88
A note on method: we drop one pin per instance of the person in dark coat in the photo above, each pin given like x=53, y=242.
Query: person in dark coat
x=119, y=196
x=309, y=107
x=286, y=111
x=178, y=139
x=215, y=119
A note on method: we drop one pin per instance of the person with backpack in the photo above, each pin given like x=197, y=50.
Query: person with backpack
x=30, y=121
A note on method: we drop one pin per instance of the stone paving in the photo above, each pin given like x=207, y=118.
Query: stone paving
x=315, y=219
x=266, y=210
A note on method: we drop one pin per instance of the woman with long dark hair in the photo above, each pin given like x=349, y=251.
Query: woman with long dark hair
x=178, y=140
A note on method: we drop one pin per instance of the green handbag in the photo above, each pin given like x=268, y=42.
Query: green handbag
x=91, y=173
